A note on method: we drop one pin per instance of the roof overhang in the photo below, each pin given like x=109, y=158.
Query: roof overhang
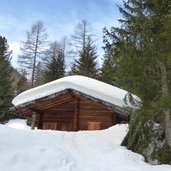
x=55, y=99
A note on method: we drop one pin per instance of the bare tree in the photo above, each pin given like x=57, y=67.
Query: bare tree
x=86, y=64
x=80, y=36
x=33, y=49
x=79, y=41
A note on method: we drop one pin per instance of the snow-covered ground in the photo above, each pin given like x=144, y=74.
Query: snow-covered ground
x=18, y=124
x=38, y=150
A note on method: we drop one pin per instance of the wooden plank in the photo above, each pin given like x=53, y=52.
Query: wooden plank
x=33, y=121
x=40, y=122
x=76, y=115
x=50, y=125
x=57, y=109
x=38, y=106
x=95, y=113
x=84, y=99
x=50, y=105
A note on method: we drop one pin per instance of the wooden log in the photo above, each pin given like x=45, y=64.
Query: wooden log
x=33, y=122
x=76, y=115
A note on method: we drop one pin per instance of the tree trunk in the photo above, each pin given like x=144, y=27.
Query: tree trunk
x=166, y=110
x=34, y=61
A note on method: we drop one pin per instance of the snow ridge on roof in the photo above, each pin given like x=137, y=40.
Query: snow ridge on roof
x=86, y=85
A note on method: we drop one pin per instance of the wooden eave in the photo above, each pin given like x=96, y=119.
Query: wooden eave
x=40, y=105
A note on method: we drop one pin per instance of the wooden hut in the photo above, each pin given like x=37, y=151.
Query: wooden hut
x=72, y=103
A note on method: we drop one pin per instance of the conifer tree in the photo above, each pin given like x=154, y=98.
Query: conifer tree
x=108, y=70
x=5, y=79
x=56, y=65
x=86, y=64
x=22, y=84
x=143, y=55
x=85, y=53
x=39, y=74
x=160, y=12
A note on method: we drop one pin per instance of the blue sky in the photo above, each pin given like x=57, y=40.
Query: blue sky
x=59, y=17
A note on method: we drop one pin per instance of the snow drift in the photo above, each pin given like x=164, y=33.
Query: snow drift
x=38, y=150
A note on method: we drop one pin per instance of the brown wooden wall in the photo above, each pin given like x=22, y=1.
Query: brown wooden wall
x=71, y=112
x=90, y=115
x=92, y=112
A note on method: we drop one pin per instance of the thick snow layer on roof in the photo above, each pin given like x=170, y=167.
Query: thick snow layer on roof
x=88, y=86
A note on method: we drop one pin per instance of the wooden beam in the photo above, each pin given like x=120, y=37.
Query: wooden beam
x=40, y=122
x=76, y=115
x=39, y=116
x=97, y=102
x=52, y=104
x=33, y=122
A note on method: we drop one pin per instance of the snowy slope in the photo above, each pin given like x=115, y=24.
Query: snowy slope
x=89, y=86
x=23, y=150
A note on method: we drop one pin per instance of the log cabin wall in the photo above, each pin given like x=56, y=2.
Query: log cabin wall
x=78, y=114
x=71, y=112
x=61, y=117
x=94, y=113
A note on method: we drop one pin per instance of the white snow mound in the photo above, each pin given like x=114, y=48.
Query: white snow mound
x=38, y=150
x=18, y=124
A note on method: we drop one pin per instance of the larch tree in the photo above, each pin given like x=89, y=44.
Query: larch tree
x=78, y=39
x=6, y=92
x=33, y=49
x=85, y=51
x=80, y=36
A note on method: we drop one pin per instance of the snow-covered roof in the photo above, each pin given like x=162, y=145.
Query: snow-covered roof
x=86, y=85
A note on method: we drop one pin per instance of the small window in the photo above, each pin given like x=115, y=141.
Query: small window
x=57, y=126
x=94, y=125
x=50, y=125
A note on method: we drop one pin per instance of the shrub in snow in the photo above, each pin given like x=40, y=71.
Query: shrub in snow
x=148, y=138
